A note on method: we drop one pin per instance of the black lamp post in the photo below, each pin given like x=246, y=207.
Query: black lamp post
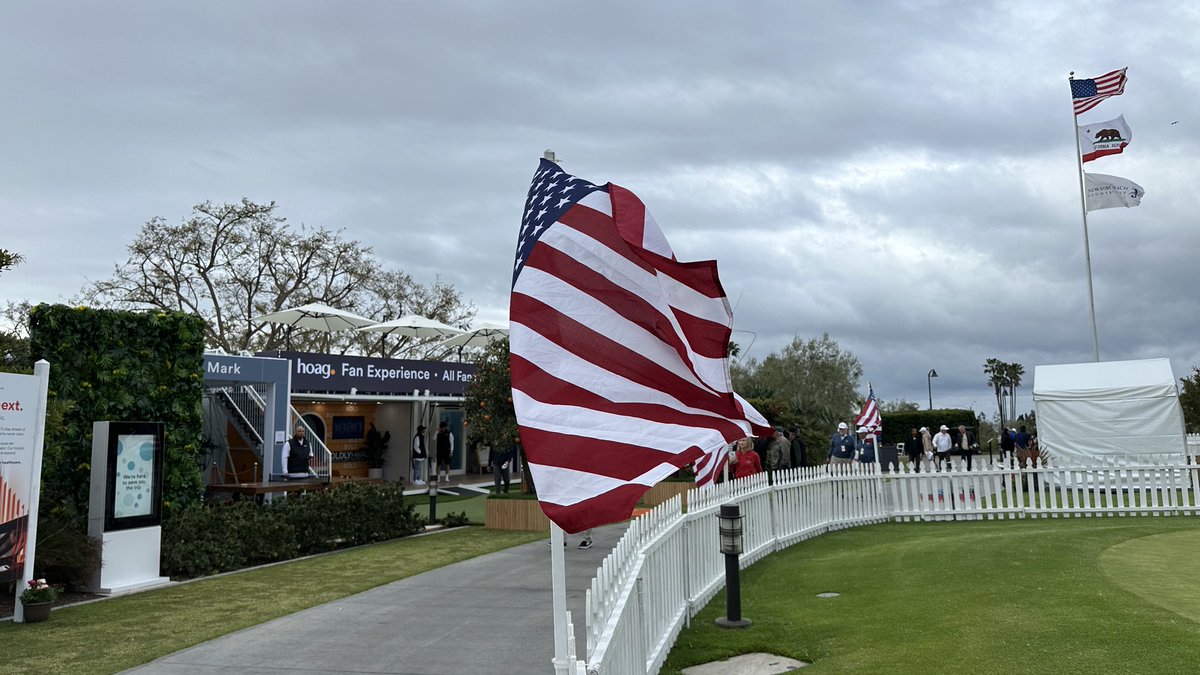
x=929, y=381
x=433, y=500
x=729, y=525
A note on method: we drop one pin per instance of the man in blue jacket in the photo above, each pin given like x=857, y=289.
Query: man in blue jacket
x=842, y=446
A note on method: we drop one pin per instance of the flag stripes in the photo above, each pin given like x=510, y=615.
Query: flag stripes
x=1088, y=94
x=618, y=353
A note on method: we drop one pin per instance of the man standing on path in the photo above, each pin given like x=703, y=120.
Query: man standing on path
x=419, y=455
x=966, y=445
x=445, y=449
x=842, y=446
x=941, y=445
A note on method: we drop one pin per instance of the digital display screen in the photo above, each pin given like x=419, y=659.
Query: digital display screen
x=134, y=484
x=349, y=428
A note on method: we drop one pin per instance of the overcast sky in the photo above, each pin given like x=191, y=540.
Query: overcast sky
x=899, y=175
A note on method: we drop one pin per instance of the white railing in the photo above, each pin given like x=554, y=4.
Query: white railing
x=667, y=566
x=321, y=464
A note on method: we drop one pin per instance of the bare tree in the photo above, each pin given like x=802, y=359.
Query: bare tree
x=231, y=262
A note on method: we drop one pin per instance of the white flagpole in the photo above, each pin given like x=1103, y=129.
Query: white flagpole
x=1087, y=251
x=558, y=573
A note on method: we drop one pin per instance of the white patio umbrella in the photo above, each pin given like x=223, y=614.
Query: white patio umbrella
x=316, y=317
x=413, y=325
x=480, y=336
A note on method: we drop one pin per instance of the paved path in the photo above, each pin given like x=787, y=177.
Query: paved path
x=491, y=614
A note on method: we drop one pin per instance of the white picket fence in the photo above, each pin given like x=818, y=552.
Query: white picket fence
x=667, y=566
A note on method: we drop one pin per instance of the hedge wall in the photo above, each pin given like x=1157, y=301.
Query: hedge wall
x=898, y=425
x=209, y=538
x=119, y=365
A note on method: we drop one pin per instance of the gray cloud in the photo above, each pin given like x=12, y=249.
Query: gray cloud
x=897, y=174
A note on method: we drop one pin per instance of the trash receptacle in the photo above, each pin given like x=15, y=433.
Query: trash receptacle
x=889, y=458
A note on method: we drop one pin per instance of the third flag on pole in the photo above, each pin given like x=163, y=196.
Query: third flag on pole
x=1108, y=192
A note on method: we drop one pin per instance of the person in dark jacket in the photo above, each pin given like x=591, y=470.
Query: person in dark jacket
x=842, y=446
x=799, y=452
x=445, y=449
x=501, y=461
x=965, y=445
x=296, y=453
x=912, y=448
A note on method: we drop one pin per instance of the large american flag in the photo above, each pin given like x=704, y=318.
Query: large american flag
x=869, y=417
x=618, y=353
x=1088, y=94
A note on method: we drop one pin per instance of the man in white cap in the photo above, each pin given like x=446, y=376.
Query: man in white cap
x=842, y=446
x=866, y=446
x=942, y=442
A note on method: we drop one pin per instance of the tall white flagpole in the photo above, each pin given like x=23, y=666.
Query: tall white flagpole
x=558, y=574
x=1087, y=251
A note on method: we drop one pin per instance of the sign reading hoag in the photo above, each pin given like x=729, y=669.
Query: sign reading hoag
x=341, y=374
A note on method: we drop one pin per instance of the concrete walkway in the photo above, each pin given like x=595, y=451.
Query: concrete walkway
x=491, y=614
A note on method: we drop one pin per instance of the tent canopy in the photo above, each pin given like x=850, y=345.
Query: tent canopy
x=1113, y=408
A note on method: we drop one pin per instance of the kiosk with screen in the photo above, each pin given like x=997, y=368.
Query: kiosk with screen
x=125, y=510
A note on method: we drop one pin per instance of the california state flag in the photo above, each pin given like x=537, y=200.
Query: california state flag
x=1104, y=138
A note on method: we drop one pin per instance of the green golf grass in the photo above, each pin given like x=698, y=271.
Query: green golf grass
x=1025, y=596
x=112, y=635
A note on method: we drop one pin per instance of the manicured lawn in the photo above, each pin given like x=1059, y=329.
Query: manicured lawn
x=115, y=634
x=472, y=505
x=1027, y=596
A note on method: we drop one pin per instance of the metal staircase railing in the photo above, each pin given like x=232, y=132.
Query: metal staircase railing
x=321, y=464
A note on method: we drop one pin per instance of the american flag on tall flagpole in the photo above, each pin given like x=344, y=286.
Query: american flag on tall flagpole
x=618, y=352
x=1088, y=94
x=869, y=417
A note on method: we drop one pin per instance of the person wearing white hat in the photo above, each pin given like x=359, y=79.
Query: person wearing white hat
x=942, y=442
x=842, y=446
x=866, y=446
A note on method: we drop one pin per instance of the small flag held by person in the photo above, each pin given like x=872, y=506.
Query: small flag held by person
x=1088, y=94
x=1104, y=138
x=618, y=353
x=870, y=417
x=1108, y=192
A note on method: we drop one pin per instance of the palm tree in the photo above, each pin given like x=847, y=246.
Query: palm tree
x=1012, y=376
x=994, y=369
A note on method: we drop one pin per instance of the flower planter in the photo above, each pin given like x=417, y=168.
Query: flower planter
x=514, y=514
x=664, y=491
x=37, y=612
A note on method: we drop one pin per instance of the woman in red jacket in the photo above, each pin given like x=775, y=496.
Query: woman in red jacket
x=747, y=460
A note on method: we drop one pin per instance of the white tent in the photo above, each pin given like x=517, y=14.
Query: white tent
x=1109, y=410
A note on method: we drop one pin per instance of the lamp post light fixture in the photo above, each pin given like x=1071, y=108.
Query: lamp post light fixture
x=729, y=527
x=929, y=381
x=433, y=499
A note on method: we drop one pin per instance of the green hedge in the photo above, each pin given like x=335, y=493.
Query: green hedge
x=119, y=365
x=210, y=538
x=897, y=426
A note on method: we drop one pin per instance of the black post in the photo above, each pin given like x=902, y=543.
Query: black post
x=730, y=522
x=433, y=500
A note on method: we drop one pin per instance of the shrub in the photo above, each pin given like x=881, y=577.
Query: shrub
x=210, y=538
x=456, y=519
x=64, y=551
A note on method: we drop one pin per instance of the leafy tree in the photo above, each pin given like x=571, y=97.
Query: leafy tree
x=491, y=418
x=1189, y=399
x=815, y=383
x=994, y=369
x=899, y=405
x=229, y=263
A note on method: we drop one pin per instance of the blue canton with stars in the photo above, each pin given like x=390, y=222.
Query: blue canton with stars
x=552, y=193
